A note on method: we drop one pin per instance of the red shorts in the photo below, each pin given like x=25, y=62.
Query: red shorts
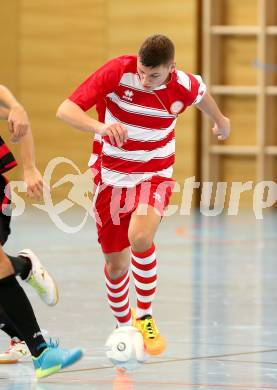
x=113, y=208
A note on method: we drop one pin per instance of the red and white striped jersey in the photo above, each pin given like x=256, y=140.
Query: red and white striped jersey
x=149, y=116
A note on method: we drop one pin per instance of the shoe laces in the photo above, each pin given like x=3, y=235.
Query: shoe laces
x=13, y=343
x=51, y=344
x=150, y=328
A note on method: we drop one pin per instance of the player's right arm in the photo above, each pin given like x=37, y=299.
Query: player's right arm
x=73, y=115
x=93, y=90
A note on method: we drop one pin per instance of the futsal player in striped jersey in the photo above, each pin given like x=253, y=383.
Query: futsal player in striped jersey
x=138, y=99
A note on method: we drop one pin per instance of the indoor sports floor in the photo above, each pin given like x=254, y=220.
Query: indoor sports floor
x=216, y=305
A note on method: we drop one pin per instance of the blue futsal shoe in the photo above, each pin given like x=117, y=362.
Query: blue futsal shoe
x=54, y=359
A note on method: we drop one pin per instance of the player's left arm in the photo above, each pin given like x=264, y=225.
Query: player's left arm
x=209, y=107
x=31, y=175
x=18, y=120
x=4, y=113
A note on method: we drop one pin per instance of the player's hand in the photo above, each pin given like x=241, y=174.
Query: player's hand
x=34, y=182
x=222, y=129
x=117, y=133
x=18, y=123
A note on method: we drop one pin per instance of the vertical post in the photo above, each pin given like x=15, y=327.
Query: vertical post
x=261, y=98
x=206, y=67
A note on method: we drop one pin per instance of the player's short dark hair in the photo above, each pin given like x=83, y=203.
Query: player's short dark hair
x=156, y=50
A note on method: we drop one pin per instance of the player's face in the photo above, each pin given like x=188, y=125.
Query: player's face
x=152, y=78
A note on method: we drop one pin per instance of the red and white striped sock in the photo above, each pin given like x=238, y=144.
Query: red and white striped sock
x=118, y=298
x=144, y=269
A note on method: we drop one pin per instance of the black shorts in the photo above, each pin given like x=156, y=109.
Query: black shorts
x=5, y=211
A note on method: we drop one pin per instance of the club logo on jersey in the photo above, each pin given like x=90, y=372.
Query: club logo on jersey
x=176, y=107
x=128, y=95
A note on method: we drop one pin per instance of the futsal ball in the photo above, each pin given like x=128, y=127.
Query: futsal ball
x=125, y=348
